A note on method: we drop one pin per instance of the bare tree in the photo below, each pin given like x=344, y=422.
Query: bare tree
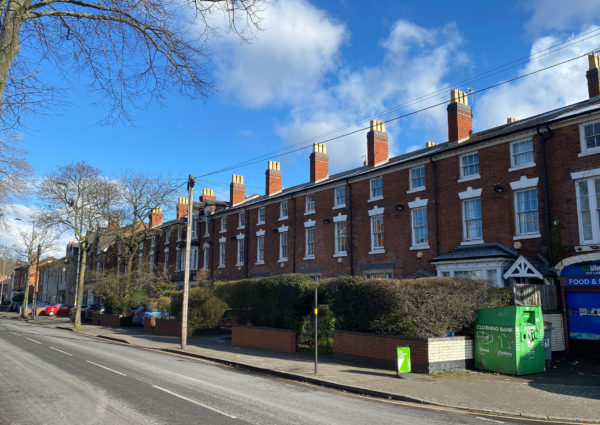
x=32, y=244
x=140, y=193
x=14, y=170
x=132, y=50
x=77, y=199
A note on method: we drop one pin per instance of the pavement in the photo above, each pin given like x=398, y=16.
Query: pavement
x=569, y=392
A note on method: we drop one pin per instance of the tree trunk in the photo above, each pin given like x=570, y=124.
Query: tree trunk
x=81, y=278
x=9, y=40
x=128, y=279
x=26, y=299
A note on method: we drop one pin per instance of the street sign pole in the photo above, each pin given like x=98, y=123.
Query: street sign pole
x=186, y=273
x=316, y=332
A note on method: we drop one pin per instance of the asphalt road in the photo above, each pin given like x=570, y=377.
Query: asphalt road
x=52, y=376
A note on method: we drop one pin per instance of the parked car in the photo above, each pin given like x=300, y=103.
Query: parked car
x=64, y=310
x=227, y=321
x=52, y=309
x=140, y=314
x=91, y=309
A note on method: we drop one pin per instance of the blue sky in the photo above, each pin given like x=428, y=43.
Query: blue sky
x=320, y=66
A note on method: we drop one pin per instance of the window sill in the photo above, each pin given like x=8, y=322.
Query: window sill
x=241, y=227
x=376, y=198
x=418, y=247
x=309, y=257
x=283, y=218
x=472, y=242
x=221, y=231
x=337, y=207
x=221, y=267
x=589, y=246
x=588, y=152
x=239, y=265
x=259, y=263
x=377, y=251
x=282, y=260
x=416, y=189
x=260, y=223
x=309, y=212
x=340, y=254
x=468, y=178
x=527, y=236
x=521, y=167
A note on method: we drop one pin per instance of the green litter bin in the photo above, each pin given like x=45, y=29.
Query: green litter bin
x=510, y=340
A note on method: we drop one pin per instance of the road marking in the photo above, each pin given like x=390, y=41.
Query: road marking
x=107, y=368
x=16, y=333
x=33, y=340
x=220, y=412
x=490, y=420
x=61, y=351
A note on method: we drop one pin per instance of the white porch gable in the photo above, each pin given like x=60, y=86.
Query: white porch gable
x=522, y=268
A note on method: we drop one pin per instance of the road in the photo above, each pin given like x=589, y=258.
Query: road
x=52, y=376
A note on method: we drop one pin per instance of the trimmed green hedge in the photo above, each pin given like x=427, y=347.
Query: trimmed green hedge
x=279, y=301
x=427, y=307
x=205, y=310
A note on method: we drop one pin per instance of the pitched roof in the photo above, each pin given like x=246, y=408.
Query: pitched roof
x=471, y=252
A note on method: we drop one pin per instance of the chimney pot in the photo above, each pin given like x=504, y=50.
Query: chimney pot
x=207, y=195
x=182, y=208
x=156, y=217
x=510, y=120
x=430, y=144
x=460, y=117
x=377, y=144
x=319, y=163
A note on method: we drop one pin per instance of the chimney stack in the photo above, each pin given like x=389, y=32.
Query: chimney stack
x=273, y=178
x=156, y=217
x=377, y=144
x=593, y=78
x=237, y=190
x=182, y=208
x=460, y=117
x=207, y=195
x=114, y=222
x=319, y=163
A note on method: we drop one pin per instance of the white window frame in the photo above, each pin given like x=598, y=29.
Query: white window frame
x=376, y=214
x=584, y=149
x=418, y=205
x=168, y=237
x=309, y=204
x=518, y=233
x=261, y=212
x=240, y=250
x=194, y=258
x=376, y=192
x=283, y=208
x=223, y=227
x=206, y=227
x=179, y=233
x=283, y=248
x=411, y=179
x=194, y=227
x=513, y=165
x=260, y=249
x=466, y=177
x=222, y=253
x=205, y=255
x=166, y=260
x=309, y=243
x=152, y=241
x=593, y=209
x=151, y=262
x=473, y=239
x=178, y=259
x=486, y=266
x=336, y=197
x=242, y=220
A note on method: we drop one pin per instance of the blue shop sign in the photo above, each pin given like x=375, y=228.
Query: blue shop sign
x=582, y=274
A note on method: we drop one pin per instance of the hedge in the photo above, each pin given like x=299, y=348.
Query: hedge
x=279, y=301
x=205, y=310
x=427, y=307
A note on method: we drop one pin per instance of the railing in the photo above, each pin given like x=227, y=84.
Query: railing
x=529, y=294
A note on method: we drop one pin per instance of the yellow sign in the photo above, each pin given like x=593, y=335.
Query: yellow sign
x=316, y=311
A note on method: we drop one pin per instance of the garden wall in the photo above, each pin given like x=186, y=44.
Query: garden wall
x=113, y=320
x=274, y=339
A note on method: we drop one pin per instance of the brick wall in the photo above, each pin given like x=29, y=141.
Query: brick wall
x=113, y=320
x=167, y=327
x=280, y=340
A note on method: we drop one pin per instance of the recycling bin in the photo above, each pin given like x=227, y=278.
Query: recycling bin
x=510, y=340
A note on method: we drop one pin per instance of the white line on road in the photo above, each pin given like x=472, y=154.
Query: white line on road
x=33, y=340
x=107, y=368
x=490, y=420
x=220, y=412
x=61, y=351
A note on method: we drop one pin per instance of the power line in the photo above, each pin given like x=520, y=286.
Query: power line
x=331, y=139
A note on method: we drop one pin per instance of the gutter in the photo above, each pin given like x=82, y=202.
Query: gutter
x=543, y=140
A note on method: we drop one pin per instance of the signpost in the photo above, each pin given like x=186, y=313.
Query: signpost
x=403, y=360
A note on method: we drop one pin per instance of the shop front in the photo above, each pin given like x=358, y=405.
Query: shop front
x=580, y=292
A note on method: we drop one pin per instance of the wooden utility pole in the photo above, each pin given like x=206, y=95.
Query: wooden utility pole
x=186, y=273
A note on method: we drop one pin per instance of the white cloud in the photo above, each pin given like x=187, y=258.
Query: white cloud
x=289, y=59
x=538, y=93
x=561, y=15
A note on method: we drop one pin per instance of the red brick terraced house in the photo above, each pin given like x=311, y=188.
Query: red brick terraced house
x=518, y=203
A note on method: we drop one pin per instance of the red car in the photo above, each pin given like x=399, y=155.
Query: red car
x=52, y=309
x=64, y=310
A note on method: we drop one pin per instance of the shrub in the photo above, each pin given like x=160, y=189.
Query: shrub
x=325, y=325
x=205, y=310
x=427, y=307
x=138, y=297
x=113, y=305
x=279, y=301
